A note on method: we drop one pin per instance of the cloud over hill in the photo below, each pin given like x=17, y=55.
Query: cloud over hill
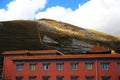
x=103, y=15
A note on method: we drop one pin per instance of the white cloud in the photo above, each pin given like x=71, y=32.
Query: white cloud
x=103, y=15
x=21, y=9
x=57, y=13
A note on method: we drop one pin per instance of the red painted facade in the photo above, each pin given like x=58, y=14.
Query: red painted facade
x=10, y=69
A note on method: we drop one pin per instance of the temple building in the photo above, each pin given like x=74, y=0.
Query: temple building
x=54, y=65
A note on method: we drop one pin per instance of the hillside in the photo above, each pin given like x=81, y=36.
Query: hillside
x=51, y=34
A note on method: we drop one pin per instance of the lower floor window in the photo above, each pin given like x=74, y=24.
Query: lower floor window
x=105, y=77
x=46, y=78
x=119, y=78
x=32, y=78
x=19, y=78
x=74, y=78
x=60, y=78
x=89, y=77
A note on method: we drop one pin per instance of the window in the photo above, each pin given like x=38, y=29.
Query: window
x=105, y=77
x=105, y=65
x=59, y=65
x=89, y=65
x=74, y=65
x=74, y=78
x=45, y=78
x=19, y=78
x=60, y=78
x=89, y=77
x=119, y=78
x=32, y=78
x=118, y=65
x=46, y=66
x=32, y=67
x=19, y=66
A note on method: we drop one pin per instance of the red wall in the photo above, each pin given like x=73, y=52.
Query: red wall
x=113, y=70
x=10, y=70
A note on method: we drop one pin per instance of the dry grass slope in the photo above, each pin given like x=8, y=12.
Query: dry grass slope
x=24, y=35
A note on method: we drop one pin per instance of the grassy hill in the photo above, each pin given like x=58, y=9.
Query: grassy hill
x=51, y=34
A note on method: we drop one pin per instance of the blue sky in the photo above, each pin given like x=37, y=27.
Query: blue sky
x=3, y=3
x=73, y=4
x=101, y=15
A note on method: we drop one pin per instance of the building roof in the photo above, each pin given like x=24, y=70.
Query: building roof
x=32, y=52
x=79, y=56
x=99, y=49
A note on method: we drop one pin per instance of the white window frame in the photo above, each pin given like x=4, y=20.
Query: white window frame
x=59, y=65
x=32, y=66
x=19, y=66
x=74, y=65
x=46, y=66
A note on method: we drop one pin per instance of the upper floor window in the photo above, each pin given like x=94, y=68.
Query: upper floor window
x=46, y=78
x=74, y=65
x=46, y=66
x=89, y=77
x=89, y=65
x=19, y=66
x=32, y=78
x=74, y=78
x=118, y=65
x=32, y=66
x=19, y=78
x=59, y=65
x=105, y=65
x=105, y=77
x=60, y=78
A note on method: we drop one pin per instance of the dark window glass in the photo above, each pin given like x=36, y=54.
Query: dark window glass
x=105, y=77
x=119, y=78
x=32, y=78
x=59, y=78
x=74, y=78
x=89, y=77
x=45, y=78
x=19, y=78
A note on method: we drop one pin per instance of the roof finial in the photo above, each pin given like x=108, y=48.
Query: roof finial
x=112, y=52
